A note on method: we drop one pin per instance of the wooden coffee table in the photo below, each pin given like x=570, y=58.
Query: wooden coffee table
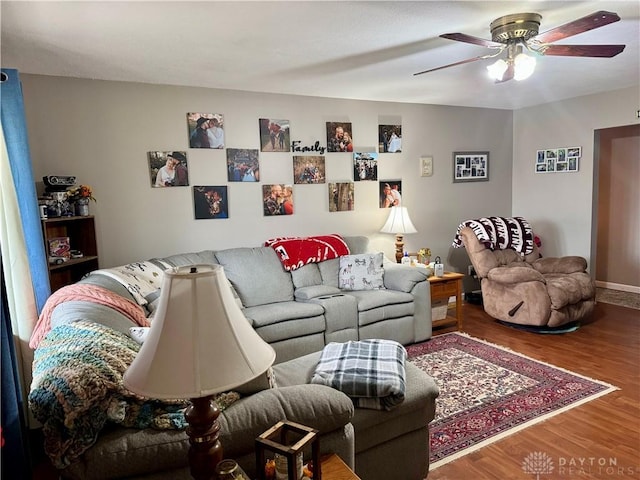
x=333, y=468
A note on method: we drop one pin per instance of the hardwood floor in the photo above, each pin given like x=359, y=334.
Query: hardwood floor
x=597, y=440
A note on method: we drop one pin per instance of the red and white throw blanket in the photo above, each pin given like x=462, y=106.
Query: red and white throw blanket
x=295, y=252
x=87, y=292
x=500, y=233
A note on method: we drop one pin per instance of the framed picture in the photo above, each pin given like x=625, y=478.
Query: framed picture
x=341, y=196
x=390, y=192
x=277, y=199
x=274, y=135
x=573, y=164
x=470, y=167
x=242, y=165
x=168, y=169
x=308, y=169
x=365, y=166
x=206, y=130
x=339, y=137
x=390, y=138
x=210, y=202
x=560, y=160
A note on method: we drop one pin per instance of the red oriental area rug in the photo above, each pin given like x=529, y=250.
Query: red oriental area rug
x=488, y=392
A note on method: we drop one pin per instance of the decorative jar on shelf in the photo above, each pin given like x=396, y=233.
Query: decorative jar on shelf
x=82, y=207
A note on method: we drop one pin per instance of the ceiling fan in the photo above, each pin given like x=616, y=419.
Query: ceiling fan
x=518, y=33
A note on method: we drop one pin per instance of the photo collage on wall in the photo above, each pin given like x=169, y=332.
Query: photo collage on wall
x=207, y=131
x=560, y=160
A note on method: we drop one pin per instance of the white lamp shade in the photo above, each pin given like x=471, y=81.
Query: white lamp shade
x=496, y=70
x=200, y=343
x=398, y=222
x=524, y=65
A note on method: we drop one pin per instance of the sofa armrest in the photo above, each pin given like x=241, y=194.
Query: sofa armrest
x=513, y=275
x=569, y=264
x=403, y=278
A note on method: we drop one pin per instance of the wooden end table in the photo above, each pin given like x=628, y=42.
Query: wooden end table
x=333, y=468
x=444, y=287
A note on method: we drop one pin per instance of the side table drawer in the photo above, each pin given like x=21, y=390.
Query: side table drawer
x=443, y=288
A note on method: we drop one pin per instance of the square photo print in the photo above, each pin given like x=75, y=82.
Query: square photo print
x=390, y=138
x=274, y=135
x=277, y=199
x=168, y=169
x=242, y=165
x=206, y=130
x=308, y=169
x=365, y=166
x=390, y=193
x=339, y=137
x=341, y=196
x=210, y=202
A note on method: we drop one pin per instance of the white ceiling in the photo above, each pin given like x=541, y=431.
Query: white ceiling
x=364, y=50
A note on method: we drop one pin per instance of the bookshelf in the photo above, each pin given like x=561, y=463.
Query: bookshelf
x=81, y=232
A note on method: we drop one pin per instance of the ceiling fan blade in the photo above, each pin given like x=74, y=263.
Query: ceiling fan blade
x=607, y=51
x=584, y=24
x=468, y=60
x=463, y=37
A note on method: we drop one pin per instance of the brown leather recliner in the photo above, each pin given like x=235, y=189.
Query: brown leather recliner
x=530, y=290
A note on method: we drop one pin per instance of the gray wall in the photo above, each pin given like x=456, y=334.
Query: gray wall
x=561, y=205
x=101, y=132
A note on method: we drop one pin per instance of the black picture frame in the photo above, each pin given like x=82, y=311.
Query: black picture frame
x=470, y=167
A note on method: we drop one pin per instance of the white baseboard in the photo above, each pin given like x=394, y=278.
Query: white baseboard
x=618, y=286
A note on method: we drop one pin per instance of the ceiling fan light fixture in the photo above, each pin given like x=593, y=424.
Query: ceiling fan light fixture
x=496, y=70
x=523, y=66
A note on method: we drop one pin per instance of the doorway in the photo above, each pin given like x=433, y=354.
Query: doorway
x=617, y=208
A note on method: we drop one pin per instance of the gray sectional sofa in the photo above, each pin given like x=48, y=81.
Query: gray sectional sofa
x=297, y=313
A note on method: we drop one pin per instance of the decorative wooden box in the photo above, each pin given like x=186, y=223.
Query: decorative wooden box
x=288, y=439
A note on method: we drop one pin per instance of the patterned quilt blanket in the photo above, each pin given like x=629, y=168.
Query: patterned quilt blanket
x=499, y=233
x=371, y=372
x=77, y=388
x=295, y=252
x=142, y=279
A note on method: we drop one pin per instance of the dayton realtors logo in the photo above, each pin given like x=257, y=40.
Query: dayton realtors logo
x=537, y=463
x=540, y=463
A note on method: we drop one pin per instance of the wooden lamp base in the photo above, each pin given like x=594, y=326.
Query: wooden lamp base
x=399, y=247
x=203, y=431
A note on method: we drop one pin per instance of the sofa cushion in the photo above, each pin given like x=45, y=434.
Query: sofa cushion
x=329, y=272
x=281, y=312
x=205, y=257
x=361, y=272
x=375, y=306
x=306, y=276
x=257, y=275
x=357, y=244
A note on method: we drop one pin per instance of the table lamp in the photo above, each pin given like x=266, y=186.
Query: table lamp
x=199, y=344
x=399, y=223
